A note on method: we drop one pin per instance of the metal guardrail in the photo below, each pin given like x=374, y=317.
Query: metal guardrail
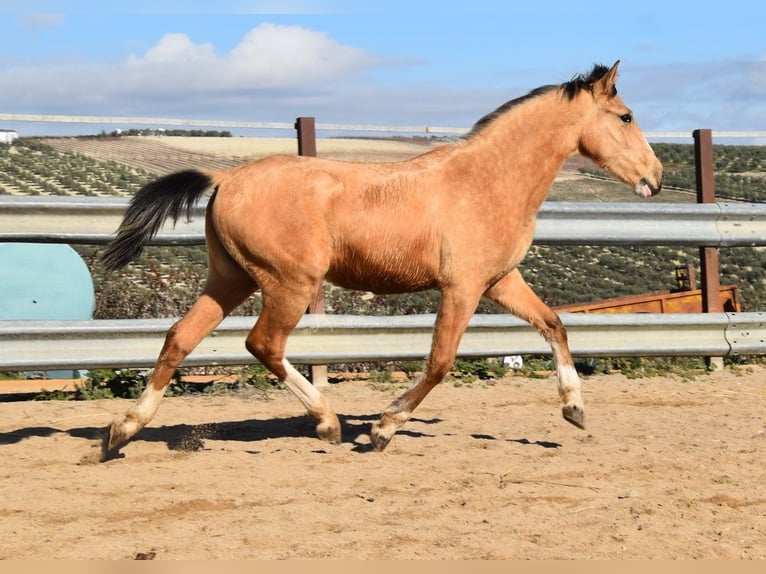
x=60, y=220
x=326, y=339
x=49, y=219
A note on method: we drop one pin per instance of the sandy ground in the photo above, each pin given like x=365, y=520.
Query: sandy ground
x=668, y=468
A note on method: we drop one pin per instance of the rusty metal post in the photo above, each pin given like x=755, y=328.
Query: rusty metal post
x=705, y=175
x=307, y=139
x=307, y=145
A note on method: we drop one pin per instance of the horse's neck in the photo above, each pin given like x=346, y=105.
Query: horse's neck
x=525, y=149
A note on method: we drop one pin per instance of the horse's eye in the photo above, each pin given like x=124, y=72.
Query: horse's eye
x=626, y=118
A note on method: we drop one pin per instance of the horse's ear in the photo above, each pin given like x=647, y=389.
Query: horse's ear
x=605, y=85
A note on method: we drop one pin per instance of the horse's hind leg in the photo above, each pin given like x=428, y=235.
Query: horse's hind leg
x=282, y=309
x=513, y=293
x=226, y=288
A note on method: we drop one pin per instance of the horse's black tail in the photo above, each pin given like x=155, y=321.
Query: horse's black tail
x=166, y=197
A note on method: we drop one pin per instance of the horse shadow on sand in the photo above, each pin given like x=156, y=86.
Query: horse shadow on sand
x=192, y=437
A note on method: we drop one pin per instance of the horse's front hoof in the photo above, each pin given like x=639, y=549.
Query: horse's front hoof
x=380, y=438
x=574, y=414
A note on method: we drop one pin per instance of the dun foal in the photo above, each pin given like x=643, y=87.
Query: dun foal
x=458, y=218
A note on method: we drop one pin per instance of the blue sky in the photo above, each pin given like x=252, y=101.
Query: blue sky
x=683, y=65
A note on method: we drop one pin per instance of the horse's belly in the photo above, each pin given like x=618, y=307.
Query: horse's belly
x=392, y=274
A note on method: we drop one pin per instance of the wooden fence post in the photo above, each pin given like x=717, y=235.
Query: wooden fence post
x=307, y=145
x=705, y=176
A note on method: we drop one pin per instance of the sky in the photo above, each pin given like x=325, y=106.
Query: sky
x=684, y=65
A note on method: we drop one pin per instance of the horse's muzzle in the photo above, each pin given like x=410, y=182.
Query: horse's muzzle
x=647, y=188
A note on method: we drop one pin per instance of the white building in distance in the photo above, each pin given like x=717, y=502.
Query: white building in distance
x=7, y=136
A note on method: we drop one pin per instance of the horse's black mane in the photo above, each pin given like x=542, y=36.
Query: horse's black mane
x=570, y=89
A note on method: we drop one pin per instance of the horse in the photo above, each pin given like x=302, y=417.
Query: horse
x=458, y=218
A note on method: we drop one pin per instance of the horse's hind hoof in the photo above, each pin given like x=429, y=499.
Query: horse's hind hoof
x=574, y=414
x=329, y=431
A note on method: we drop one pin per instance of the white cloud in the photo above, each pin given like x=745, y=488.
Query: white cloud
x=269, y=57
x=289, y=56
x=179, y=73
x=175, y=49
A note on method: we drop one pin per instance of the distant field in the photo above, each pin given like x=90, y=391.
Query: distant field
x=350, y=149
x=103, y=166
x=161, y=155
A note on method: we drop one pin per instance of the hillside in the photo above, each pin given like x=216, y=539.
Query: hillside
x=166, y=281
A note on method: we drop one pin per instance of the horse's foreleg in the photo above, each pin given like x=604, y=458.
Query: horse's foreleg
x=513, y=293
x=455, y=311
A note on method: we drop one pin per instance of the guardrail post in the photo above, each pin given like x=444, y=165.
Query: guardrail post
x=307, y=139
x=307, y=145
x=705, y=176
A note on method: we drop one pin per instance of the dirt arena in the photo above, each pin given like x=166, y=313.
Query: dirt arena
x=668, y=468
